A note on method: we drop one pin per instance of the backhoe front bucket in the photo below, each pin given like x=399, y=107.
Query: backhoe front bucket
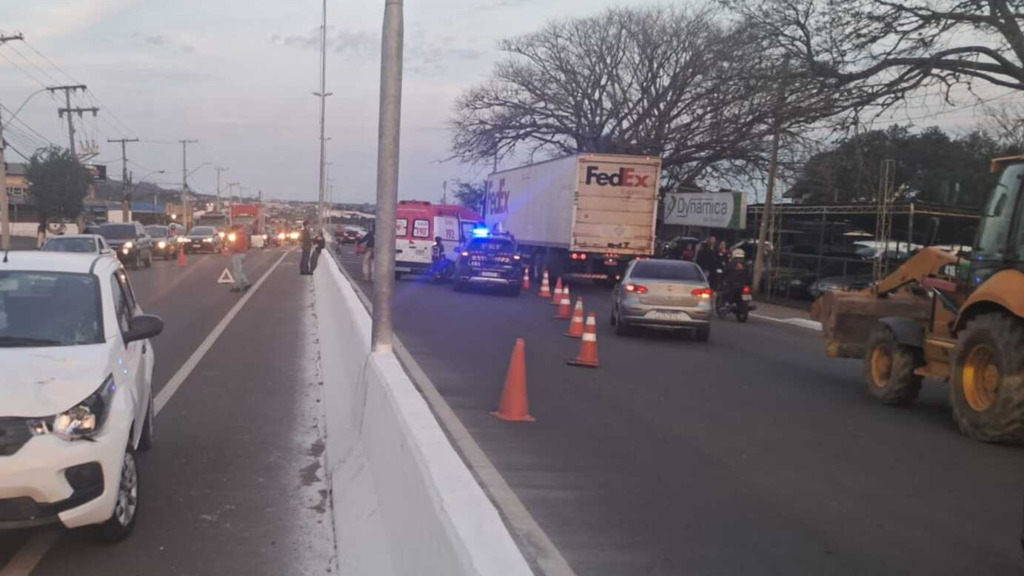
x=847, y=318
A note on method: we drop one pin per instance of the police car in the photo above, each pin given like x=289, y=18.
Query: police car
x=489, y=260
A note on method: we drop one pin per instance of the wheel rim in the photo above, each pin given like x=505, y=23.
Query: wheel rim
x=127, y=492
x=881, y=366
x=980, y=378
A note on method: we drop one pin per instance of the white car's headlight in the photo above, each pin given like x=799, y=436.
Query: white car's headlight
x=232, y=237
x=182, y=240
x=208, y=240
x=129, y=245
x=84, y=420
x=161, y=244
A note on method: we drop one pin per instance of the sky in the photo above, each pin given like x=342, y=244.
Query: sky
x=239, y=76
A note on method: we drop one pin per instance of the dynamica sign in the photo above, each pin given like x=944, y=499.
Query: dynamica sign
x=712, y=210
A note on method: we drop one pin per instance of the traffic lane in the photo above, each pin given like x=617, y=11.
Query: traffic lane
x=190, y=301
x=234, y=483
x=674, y=454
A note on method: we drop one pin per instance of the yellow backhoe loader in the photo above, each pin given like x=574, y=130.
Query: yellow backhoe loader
x=948, y=317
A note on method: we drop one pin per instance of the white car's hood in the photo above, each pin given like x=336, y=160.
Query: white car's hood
x=39, y=382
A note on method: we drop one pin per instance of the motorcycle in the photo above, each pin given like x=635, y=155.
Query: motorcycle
x=738, y=302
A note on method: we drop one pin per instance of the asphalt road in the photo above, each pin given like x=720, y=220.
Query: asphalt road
x=750, y=454
x=233, y=484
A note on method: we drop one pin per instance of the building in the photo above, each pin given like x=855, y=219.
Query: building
x=17, y=179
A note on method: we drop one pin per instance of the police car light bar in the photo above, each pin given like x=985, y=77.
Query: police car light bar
x=481, y=232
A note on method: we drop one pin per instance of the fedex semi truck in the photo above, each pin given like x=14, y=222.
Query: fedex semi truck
x=581, y=216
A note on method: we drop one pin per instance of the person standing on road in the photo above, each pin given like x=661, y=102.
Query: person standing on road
x=319, y=243
x=306, y=241
x=238, y=246
x=367, y=242
x=706, y=256
x=721, y=264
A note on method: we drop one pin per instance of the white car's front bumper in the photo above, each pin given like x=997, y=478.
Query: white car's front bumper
x=34, y=487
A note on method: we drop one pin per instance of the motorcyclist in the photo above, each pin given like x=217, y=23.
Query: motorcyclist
x=735, y=275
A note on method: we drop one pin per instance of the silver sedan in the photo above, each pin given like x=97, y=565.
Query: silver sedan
x=670, y=294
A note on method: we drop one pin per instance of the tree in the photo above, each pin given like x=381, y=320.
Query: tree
x=877, y=51
x=471, y=195
x=702, y=95
x=57, y=183
x=930, y=166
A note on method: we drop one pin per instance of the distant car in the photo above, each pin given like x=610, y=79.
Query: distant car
x=840, y=284
x=350, y=236
x=78, y=243
x=671, y=294
x=165, y=245
x=204, y=239
x=489, y=261
x=130, y=242
x=77, y=393
x=176, y=229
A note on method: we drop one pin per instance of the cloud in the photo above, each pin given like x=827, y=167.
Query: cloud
x=161, y=41
x=433, y=55
x=65, y=17
x=338, y=40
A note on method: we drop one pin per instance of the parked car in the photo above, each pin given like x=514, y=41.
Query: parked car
x=666, y=294
x=78, y=243
x=165, y=245
x=76, y=399
x=130, y=242
x=204, y=239
x=490, y=261
x=840, y=284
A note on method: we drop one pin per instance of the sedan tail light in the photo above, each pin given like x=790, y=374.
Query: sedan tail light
x=636, y=288
x=746, y=289
x=704, y=293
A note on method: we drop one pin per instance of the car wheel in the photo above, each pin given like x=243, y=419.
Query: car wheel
x=702, y=334
x=126, y=505
x=458, y=286
x=146, y=438
x=515, y=291
x=621, y=328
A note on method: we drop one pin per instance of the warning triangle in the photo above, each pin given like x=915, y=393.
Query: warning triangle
x=226, y=277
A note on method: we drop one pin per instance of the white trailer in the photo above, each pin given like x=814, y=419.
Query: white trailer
x=581, y=216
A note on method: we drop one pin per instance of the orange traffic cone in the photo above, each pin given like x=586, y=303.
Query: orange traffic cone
x=545, y=286
x=526, y=278
x=588, y=344
x=181, y=256
x=576, y=324
x=556, y=297
x=514, y=405
x=565, y=306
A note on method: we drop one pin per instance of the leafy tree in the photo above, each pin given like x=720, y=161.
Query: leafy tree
x=57, y=182
x=930, y=166
x=471, y=195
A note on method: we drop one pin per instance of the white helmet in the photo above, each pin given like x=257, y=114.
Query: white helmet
x=738, y=254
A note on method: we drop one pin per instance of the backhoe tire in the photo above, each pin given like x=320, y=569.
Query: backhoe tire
x=889, y=369
x=987, y=380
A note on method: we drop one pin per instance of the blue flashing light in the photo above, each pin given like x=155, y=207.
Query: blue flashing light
x=481, y=232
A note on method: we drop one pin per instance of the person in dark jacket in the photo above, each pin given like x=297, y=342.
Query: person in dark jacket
x=706, y=257
x=306, y=241
x=367, y=247
x=319, y=243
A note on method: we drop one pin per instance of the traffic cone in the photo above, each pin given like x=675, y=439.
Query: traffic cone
x=556, y=298
x=545, y=286
x=514, y=405
x=565, y=306
x=181, y=256
x=526, y=278
x=588, y=344
x=576, y=324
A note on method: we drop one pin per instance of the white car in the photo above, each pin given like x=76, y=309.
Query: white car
x=76, y=395
x=79, y=244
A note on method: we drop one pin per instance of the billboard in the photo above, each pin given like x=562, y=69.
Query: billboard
x=711, y=210
x=98, y=172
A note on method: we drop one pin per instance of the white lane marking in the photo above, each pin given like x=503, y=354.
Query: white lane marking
x=800, y=322
x=186, y=369
x=528, y=533
x=31, y=553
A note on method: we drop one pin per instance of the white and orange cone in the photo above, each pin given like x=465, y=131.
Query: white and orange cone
x=526, y=279
x=588, y=344
x=576, y=324
x=545, y=286
x=556, y=297
x=564, y=306
x=515, y=406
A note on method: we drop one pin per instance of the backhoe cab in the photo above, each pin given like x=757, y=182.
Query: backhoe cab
x=944, y=316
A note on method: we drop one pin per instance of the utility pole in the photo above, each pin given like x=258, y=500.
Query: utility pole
x=126, y=202
x=5, y=203
x=71, y=111
x=219, y=170
x=184, y=183
x=768, y=216
x=388, y=137
x=323, y=94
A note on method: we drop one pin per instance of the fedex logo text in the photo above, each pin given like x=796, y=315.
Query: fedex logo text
x=624, y=177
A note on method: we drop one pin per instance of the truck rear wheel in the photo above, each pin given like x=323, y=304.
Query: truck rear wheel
x=889, y=369
x=987, y=388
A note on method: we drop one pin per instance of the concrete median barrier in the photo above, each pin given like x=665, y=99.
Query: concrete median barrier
x=404, y=501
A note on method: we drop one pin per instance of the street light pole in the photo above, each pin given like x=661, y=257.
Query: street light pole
x=389, y=133
x=184, y=182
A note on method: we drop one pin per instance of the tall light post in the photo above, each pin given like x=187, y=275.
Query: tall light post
x=5, y=201
x=389, y=133
x=143, y=179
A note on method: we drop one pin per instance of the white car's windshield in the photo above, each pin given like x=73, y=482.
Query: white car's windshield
x=49, y=309
x=203, y=231
x=78, y=245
